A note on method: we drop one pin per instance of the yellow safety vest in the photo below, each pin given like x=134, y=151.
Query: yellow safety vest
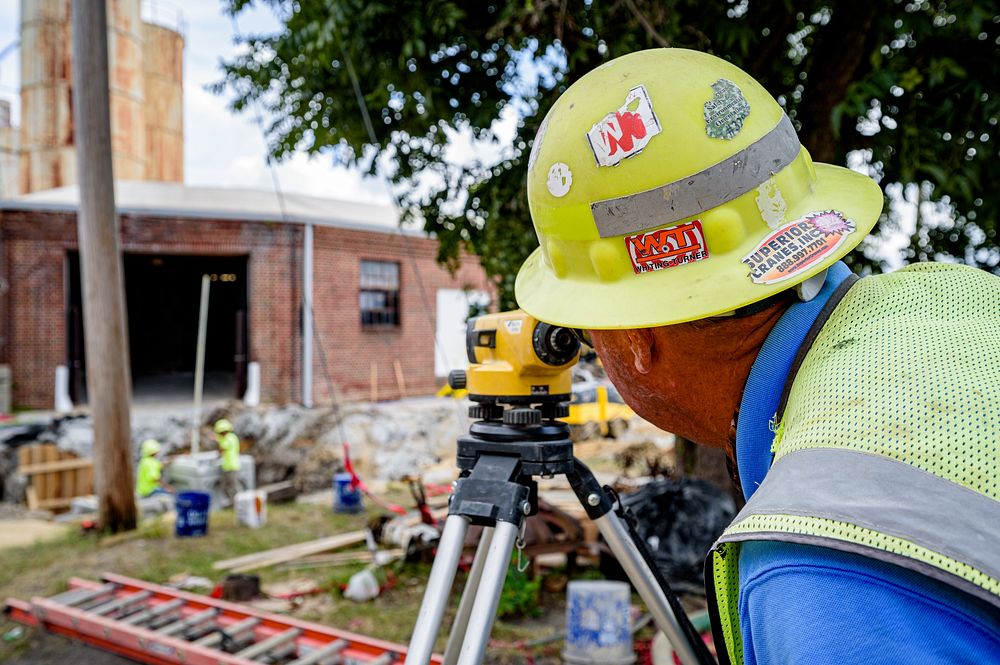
x=148, y=475
x=889, y=442
x=229, y=445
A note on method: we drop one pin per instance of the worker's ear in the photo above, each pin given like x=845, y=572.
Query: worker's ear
x=640, y=341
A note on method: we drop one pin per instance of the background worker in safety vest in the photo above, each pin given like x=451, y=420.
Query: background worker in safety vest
x=682, y=223
x=147, y=476
x=229, y=448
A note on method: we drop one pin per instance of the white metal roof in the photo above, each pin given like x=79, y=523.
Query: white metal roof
x=168, y=199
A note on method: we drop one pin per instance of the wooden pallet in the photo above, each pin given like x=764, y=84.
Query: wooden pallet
x=55, y=477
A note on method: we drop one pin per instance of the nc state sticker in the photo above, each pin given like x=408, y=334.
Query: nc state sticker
x=797, y=246
x=625, y=132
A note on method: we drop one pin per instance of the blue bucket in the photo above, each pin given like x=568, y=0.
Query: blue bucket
x=346, y=497
x=192, y=513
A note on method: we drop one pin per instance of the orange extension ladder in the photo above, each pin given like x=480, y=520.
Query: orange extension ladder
x=159, y=625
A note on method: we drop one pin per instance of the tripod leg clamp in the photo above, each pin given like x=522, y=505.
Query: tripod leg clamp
x=594, y=498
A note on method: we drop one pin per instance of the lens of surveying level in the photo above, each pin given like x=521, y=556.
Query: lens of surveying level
x=554, y=345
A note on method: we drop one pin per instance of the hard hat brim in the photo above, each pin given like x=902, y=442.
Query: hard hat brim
x=709, y=288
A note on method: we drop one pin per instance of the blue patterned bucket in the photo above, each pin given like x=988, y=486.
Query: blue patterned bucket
x=598, y=623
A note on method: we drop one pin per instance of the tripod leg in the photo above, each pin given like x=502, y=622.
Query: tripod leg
x=484, y=609
x=461, y=623
x=620, y=541
x=438, y=589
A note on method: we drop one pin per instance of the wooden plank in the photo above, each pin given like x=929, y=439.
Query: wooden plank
x=56, y=502
x=35, y=457
x=50, y=467
x=31, y=496
x=68, y=476
x=87, y=486
x=51, y=455
x=289, y=553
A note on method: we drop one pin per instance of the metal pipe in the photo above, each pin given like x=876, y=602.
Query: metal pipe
x=439, y=583
x=307, y=317
x=461, y=623
x=484, y=611
x=199, y=367
x=624, y=549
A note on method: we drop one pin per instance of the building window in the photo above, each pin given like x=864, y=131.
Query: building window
x=379, y=295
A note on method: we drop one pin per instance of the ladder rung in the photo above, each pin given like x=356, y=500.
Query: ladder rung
x=273, y=642
x=184, y=624
x=279, y=654
x=124, y=601
x=153, y=613
x=316, y=656
x=86, y=595
x=232, y=631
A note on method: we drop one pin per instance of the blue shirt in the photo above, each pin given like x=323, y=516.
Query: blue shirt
x=803, y=604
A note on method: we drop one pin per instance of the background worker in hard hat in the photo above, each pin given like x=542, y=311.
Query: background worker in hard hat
x=682, y=224
x=229, y=448
x=148, y=475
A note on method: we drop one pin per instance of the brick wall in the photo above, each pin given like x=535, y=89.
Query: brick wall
x=33, y=317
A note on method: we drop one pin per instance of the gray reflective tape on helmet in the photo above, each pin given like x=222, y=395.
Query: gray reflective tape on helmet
x=729, y=179
x=887, y=496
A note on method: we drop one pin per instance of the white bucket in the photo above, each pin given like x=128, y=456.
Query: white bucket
x=251, y=508
x=598, y=623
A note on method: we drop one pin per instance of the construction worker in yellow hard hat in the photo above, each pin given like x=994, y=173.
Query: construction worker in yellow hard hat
x=229, y=449
x=682, y=223
x=148, y=475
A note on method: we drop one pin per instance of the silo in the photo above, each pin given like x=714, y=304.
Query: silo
x=163, y=61
x=47, y=158
x=128, y=119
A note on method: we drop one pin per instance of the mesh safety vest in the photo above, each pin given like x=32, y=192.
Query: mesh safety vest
x=888, y=441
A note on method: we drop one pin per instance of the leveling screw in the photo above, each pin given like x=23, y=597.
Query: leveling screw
x=593, y=499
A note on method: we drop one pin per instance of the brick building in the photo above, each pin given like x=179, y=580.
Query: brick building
x=379, y=297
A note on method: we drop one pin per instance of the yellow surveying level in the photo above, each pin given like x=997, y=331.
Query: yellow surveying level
x=516, y=359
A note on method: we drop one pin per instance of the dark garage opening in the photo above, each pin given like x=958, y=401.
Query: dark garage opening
x=162, y=298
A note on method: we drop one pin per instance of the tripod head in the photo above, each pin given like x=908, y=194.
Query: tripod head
x=520, y=368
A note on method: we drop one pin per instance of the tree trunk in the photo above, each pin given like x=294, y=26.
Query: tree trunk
x=108, y=381
x=708, y=464
x=839, y=56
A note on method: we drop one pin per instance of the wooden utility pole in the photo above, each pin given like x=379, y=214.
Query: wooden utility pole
x=108, y=381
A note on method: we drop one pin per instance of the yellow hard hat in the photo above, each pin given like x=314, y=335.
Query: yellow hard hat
x=149, y=447
x=668, y=185
x=222, y=426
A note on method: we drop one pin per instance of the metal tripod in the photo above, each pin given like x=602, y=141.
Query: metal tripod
x=496, y=490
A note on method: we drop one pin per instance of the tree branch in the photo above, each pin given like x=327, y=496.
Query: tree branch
x=647, y=25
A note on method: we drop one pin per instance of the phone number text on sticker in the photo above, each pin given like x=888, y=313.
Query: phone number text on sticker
x=797, y=246
x=667, y=248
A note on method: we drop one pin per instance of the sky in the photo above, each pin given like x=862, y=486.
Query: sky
x=220, y=148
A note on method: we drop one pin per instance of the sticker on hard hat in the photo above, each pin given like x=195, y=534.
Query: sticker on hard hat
x=624, y=132
x=667, y=248
x=726, y=110
x=797, y=246
x=560, y=180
